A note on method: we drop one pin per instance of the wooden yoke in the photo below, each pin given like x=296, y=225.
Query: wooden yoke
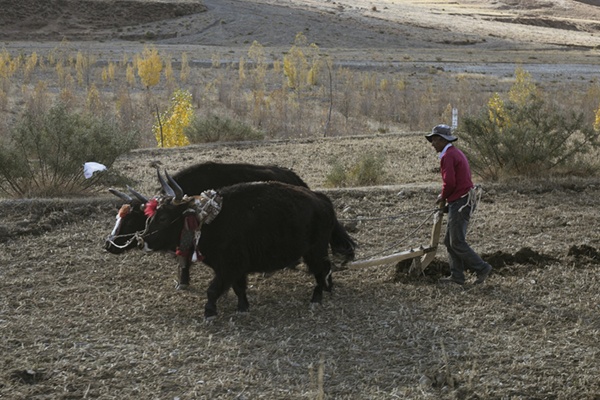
x=422, y=256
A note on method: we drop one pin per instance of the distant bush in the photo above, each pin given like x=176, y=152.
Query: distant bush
x=527, y=136
x=337, y=177
x=367, y=171
x=45, y=153
x=534, y=139
x=216, y=129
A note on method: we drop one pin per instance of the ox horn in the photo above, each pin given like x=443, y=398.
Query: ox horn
x=138, y=195
x=165, y=186
x=121, y=195
x=178, y=190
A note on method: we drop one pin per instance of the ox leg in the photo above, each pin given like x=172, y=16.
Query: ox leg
x=184, y=273
x=215, y=290
x=239, y=287
x=320, y=266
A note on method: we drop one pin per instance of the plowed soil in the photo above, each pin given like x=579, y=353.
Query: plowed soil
x=77, y=322
x=80, y=322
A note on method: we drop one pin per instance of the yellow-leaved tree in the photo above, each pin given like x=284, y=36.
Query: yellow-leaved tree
x=30, y=63
x=295, y=65
x=256, y=53
x=184, y=74
x=597, y=121
x=130, y=75
x=83, y=66
x=497, y=112
x=170, y=126
x=519, y=94
x=302, y=64
x=523, y=88
x=149, y=66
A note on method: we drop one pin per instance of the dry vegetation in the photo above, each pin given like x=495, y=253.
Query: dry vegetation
x=77, y=322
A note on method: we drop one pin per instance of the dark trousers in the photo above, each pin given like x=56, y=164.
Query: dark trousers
x=461, y=255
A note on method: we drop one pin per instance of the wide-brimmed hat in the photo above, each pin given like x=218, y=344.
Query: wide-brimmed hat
x=442, y=130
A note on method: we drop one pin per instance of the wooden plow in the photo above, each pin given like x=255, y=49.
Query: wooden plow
x=421, y=257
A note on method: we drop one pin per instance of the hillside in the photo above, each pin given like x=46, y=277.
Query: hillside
x=491, y=25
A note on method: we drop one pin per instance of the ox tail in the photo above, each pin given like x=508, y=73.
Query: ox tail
x=342, y=245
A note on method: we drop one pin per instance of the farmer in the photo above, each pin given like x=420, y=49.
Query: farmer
x=460, y=196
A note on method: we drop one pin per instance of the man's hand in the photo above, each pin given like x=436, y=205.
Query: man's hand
x=442, y=203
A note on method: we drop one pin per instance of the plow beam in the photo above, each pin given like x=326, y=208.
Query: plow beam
x=394, y=258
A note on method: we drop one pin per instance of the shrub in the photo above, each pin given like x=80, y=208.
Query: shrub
x=46, y=152
x=216, y=129
x=337, y=177
x=367, y=171
x=528, y=138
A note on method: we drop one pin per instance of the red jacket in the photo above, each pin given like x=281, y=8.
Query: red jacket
x=456, y=174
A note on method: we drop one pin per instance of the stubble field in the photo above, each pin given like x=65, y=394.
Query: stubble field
x=78, y=322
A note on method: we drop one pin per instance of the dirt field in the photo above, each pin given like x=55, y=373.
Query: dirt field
x=78, y=322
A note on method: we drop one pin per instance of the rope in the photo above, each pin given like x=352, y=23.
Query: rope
x=120, y=246
x=431, y=213
x=392, y=217
x=473, y=198
x=207, y=205
x=136, y=236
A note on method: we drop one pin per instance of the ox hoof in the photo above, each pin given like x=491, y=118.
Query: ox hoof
x=182, y=286
x=209, y=320
x=315, y=305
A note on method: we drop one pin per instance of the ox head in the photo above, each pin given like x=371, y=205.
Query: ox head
x=133, y=215
x=174, y=219
x=130, y=220
x=167, y=216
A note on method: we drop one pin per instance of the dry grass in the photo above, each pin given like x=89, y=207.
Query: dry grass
x=78, y=322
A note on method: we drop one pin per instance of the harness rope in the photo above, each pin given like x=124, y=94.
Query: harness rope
x=392, y=217
x=204, y=209
x=473, y=198
x=431, y=213
x=136, y=236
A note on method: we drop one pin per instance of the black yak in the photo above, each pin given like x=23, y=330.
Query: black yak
x=246, y=228
x=193, y=180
